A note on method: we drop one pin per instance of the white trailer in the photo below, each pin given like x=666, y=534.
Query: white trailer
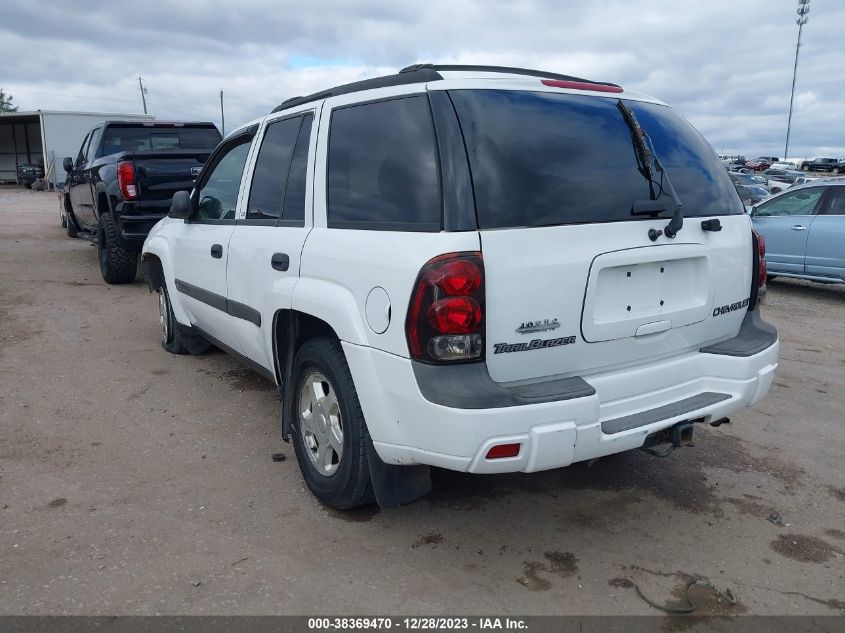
x=45, y=137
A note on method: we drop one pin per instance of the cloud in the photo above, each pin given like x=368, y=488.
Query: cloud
x=725, y=65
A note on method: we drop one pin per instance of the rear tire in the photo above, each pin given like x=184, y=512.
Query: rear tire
x=118, y=264
x=328, y=416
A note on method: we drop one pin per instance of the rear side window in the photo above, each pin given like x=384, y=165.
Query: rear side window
x=267, y=193
x=382, y=167
x=541, y=159
x=835, y=203
x=278, y=181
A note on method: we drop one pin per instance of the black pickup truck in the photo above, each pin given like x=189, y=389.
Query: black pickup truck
x=122, y=181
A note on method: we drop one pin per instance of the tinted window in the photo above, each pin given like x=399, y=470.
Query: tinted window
x=382, y=167
x=91, y=153
x=294, y=208
x=543, y=159
x=801, y=202
x=835, y=203
x=218, y=195
x=80, y=157
x=267, y=193
x=149, y=138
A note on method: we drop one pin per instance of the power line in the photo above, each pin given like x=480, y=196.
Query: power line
x=803, y=11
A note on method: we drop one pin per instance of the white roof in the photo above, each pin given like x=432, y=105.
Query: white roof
x=99, y=114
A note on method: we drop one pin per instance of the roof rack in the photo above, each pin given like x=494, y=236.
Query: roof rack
x=414, y=77
x=422, y=73
x=502, y=69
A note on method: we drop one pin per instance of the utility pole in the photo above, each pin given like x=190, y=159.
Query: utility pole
x=143, y=93
x=803, y=10
x=222, y=117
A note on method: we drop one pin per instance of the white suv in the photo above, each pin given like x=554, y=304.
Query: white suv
x=477, y=268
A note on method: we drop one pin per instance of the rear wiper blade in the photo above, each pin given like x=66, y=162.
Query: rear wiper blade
x=646, y=157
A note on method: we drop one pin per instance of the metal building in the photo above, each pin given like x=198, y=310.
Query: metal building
x=45, y=137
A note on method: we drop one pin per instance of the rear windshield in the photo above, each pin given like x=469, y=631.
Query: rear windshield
x=153, y=139
x=541, y=159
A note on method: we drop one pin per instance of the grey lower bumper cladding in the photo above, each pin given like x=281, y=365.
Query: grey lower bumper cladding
x=470, y=386
x=754, y=336
x=693, y=403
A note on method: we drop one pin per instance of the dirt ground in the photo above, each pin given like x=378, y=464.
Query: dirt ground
x=133, y=481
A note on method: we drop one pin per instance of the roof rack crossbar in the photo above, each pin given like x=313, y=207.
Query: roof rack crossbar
x=502, y=69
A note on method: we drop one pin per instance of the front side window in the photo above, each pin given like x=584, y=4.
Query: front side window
x=382, y=167
x=91, y=152
x=801, y=202
x=540, y=159
x=218, y=195
x=80, y=157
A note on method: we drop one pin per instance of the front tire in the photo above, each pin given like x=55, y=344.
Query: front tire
x=70, y=221
x=330, y=433
x=169, y=334
x=118, y=264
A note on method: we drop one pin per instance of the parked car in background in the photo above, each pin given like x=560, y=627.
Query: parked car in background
x=734, y=161
x=122, y=181
x=749, y=178
x=757, y=193
x=804, y=229
x=28, y=173
x=758, y=164
x=388, y=252
x=822, y=164
x=783, y=175
x=800, y=180
x=781, y=164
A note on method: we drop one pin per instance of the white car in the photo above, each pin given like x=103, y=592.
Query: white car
x=784, y=165
x=476, y=268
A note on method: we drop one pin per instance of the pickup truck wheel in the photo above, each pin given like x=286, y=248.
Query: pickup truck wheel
x=330, y=434
x=118, y=264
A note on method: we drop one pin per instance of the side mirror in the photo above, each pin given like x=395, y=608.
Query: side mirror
x=67, y=163
x=181, y=207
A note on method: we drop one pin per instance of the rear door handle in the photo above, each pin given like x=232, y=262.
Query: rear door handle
x=217, y=251
x=280, y=261
x=799, y=227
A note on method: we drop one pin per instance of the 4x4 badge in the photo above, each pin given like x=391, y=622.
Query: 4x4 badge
x=532, y=327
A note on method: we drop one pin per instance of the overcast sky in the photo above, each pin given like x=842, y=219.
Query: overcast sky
x=724, y=64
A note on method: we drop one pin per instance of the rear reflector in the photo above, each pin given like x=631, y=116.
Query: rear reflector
x=580, y=85
x=503, y=450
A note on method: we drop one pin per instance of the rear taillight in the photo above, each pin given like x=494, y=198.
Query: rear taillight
x=445, y=318
x=760, y=269
x=126, y=180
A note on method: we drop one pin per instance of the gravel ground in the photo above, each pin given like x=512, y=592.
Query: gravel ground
x=133, y=481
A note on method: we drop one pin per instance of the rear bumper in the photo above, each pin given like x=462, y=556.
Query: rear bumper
x=135, y=219
x=609, y=413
